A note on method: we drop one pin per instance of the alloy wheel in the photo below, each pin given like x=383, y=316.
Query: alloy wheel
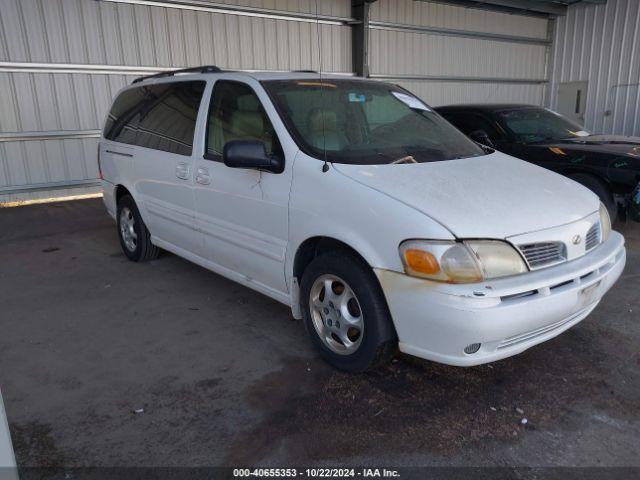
x=127, y=229
x=336, y=314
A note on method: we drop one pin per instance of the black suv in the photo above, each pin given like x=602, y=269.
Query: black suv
x=606, y=164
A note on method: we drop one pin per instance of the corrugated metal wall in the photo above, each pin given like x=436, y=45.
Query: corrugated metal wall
x=62, y=61
x=601, y=45
x=481, y=56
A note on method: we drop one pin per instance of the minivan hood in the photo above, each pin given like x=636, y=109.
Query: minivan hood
x=493, y=196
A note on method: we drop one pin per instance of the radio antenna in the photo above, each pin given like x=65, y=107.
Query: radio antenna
x=325, y=165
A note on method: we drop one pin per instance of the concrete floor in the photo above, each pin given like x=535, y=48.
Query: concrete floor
x=226, y=377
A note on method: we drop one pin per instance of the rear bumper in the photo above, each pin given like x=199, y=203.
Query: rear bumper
x=506, y=316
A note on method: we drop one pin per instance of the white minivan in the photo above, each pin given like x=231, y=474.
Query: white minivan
x=353, y=202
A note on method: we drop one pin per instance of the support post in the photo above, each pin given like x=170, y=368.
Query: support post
x=360, y=36
x=550, y=63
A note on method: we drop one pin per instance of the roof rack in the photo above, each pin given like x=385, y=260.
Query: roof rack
x=304, y=71
x=171, y=73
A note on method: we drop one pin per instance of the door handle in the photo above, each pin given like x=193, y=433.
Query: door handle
x=202, y=176
x=183, y=170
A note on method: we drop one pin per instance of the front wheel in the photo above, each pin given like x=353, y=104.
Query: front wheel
x=345, y=312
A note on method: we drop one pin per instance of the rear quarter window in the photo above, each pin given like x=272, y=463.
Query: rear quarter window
x=161, y=117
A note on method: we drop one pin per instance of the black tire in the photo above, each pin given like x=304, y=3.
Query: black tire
x=379, y=340
x=143, y=250
x=600, y=188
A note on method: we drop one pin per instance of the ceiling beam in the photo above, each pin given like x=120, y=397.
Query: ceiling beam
x=531, y=7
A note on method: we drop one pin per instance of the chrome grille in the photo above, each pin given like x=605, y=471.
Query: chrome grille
x=593, y=237
x=542, y=254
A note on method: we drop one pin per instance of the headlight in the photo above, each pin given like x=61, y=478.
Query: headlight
x=605, y=223
x=454, y=262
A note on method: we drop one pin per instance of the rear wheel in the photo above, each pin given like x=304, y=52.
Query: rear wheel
x=600, y=188
x=135, y=238
x=345, y=312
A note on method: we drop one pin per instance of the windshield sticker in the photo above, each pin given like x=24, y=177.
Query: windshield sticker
x=411, y=102
x=357, y=97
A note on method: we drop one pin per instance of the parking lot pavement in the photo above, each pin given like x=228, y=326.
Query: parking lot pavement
x=220, y=375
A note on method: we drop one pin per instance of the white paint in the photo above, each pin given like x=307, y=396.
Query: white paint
x=473, y=197
x=436, y=323
x=248, y=226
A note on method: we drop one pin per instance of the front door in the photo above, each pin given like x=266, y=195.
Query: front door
x=572, y=101
x=242, y=214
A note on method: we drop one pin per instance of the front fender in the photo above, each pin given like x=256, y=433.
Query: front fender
x=330, y=204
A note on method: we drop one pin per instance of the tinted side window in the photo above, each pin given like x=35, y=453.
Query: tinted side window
x=122, y=122
x=236, y=113
x=168, y=119
x=161, y=117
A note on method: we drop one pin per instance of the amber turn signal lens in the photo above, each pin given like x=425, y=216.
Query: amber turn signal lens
x=421, y=261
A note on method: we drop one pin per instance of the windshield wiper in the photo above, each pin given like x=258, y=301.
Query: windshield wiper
x=407, y=159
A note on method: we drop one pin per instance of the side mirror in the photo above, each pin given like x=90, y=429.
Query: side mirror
x=481, y=137
x=251, y=154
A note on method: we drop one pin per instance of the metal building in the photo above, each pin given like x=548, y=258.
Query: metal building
x=62, y=61
x=596, y=78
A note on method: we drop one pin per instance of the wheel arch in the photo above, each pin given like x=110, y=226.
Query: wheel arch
x=314, y=246
x=309, y=249
x=571, y=171
x=121, y=191
x=597, y=177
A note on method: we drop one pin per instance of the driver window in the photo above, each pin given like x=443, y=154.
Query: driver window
x=237, y=114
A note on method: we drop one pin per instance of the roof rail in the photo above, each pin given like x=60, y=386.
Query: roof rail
x=304, y=71
x=171, y=73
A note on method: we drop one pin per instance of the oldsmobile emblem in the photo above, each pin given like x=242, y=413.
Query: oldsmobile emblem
x=576, y=239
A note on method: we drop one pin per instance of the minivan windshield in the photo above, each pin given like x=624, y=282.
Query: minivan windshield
x=533, y=125
x=365, y=122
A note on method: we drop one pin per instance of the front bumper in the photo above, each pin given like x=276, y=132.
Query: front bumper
x=506, y=316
